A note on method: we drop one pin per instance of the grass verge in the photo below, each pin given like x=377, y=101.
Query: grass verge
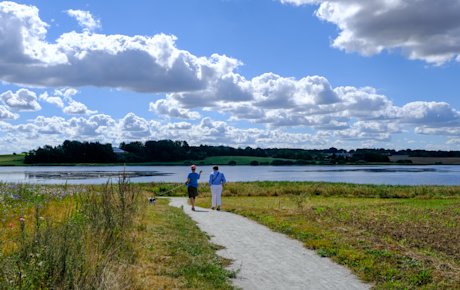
x=175, y=254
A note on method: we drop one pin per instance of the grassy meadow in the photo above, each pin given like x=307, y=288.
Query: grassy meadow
x=12, y=160
x=394, y=237
x=101, y=237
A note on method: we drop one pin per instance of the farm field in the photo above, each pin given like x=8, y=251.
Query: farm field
x=392, y=237
x=428, y=160
x=10, y=159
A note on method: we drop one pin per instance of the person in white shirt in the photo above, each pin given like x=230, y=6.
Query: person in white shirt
x=216, y=182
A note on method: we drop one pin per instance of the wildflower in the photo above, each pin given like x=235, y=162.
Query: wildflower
x=11, y=225
x=22, y=219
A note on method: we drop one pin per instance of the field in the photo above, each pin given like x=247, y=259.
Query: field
x=10, y=159
x=427, y=160
x=393, y=237
x=101, y=237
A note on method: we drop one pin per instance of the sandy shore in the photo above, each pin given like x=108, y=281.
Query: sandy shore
x=264, y=259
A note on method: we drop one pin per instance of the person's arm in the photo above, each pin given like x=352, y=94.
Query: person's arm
x=210, y=179
x=223, y=179
x=199, y=174
x=187, y=181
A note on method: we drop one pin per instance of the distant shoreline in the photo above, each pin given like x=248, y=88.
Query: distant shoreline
x=18, y=160
x=175, y=165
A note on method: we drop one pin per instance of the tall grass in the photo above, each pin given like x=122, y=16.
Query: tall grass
x=275, y=188
x=85, y=248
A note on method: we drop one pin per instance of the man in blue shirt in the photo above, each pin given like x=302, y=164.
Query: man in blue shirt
x=216, y=182
x=192, y=185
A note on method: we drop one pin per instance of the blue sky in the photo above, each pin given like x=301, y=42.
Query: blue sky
x=259, y=73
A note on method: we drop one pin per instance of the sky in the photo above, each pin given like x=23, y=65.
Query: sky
x=308, y=74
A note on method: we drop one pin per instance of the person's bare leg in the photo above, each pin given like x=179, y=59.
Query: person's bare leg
x=192, y=201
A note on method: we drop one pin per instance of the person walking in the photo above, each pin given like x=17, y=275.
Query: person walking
x=216, y=182
x=192, y=185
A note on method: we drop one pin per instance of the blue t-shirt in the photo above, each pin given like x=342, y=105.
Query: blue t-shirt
x=216, y=178
x=193, y=179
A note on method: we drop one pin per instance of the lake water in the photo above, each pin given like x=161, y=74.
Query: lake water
x=408, y=175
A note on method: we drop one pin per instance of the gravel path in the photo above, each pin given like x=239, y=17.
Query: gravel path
x=264, y=259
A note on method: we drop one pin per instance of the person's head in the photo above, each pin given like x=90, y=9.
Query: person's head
x=193, y=167
x=215, y=167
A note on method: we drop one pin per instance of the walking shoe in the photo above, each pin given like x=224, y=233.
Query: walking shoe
x=193, y=208
x=218, y=208
x=212, y=208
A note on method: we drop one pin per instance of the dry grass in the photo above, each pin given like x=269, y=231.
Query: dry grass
x=395, y=243
x=100, y=237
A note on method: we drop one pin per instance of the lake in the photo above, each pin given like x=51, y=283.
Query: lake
x=379, y=174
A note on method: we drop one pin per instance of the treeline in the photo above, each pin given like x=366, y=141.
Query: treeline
x=170, y=151
x=72, y=152
x=150, y=151
x=167, y=150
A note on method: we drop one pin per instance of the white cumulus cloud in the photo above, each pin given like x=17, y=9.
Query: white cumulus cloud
x=22, y=100
x=85, y=19
x=77, y=108
x=137, y=63
x=420, y=29
x=57, y=101
x=171, y=108
x=6, y=114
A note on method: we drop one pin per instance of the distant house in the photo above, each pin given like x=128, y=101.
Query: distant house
x=340, y=154
x=117, y=150
x=344, y=154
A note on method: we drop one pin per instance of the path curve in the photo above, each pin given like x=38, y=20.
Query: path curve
x=264, y=259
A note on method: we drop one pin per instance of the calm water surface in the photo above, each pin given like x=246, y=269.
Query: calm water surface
x=409, y=175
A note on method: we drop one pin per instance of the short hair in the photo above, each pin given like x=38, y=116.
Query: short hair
x=215, y=167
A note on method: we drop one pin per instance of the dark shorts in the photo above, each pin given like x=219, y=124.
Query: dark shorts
x=192, y=192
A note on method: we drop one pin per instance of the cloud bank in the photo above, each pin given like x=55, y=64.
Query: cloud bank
x=137, y=63
x=266, y=110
